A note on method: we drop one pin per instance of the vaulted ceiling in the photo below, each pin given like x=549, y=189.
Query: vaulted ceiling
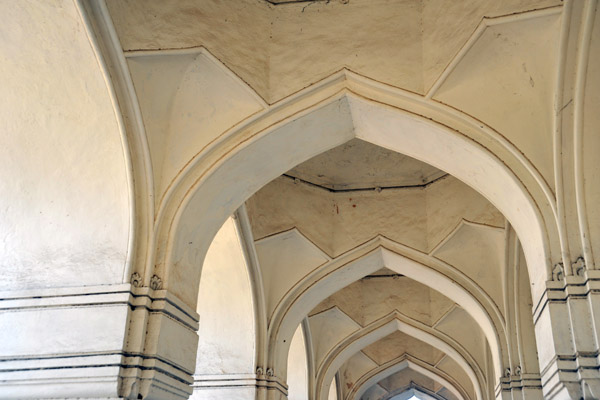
x=204, y=69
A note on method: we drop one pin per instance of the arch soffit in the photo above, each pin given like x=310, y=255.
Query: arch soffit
x=401, y=363
x=384, y=327
x=367, y=258
x=415, y=116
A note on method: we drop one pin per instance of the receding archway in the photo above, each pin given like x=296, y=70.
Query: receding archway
x=364, y=260
x=384, y=327
x=398, y=365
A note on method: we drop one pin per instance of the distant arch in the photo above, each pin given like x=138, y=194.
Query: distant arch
x=401, y=363
x=384, y=327
x=352, y=266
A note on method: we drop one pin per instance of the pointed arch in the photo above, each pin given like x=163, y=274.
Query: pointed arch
x=345, y=106
x=359, y=262
x=399, y=364
x=386, y=326
x=217, y=180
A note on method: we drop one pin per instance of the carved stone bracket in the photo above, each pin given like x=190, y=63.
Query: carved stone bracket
x=136, y=280
x=579, y=266
x=558, y=272
x=518, y=370
x=507, y=373
x=155, y=283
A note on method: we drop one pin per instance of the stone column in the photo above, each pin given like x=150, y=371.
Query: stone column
x=566, y=322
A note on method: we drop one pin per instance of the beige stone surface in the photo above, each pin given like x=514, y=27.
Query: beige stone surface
x=155, y=242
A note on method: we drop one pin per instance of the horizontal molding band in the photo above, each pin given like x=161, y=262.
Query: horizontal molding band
x=572, y=288
x=236, y=381
x=154, y=301
x=570, y=369
x=45, y=365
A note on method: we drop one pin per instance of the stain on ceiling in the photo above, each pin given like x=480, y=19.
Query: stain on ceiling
x=361, y=165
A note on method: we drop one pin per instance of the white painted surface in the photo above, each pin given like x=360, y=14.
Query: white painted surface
x=297, y=368
x=285, y=259
x=226, y=334
x=65, y=212
x=64, y=206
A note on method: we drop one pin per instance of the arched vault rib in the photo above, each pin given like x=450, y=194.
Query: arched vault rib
x=401, y=363
x=330, y=113
x=384, y=327
x=359, y=262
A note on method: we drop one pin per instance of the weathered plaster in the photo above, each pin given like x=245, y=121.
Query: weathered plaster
x=64, y=200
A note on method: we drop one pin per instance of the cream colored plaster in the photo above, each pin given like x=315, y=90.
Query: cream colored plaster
x=398, y=343
x=402, y=374
x=297, y=368
x=459, y=325
x=328, y=328
x=337, y=222
x=333, y=393
x=405, y=377
x=507, y=80
x=591, y=139
x=451, y=367
x=356, y=366
x=478, y=251
x=64, y=206
x=156, y=81
x=226, y=345
x=448, y=24
x=375, y=392
x=282, y=205
x=66, y=72
x=392, y=378
x=272, y=155
x=396, y=214
x=372, y=298
x=307, y=296
x=188, y=100
x=281, y=49
x=358, y=165
x=309, y=43
x=235, y=32
x=284, y=260
x=448, y=202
